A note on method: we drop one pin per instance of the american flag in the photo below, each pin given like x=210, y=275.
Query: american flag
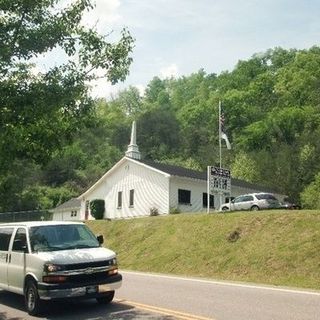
x=222, y=119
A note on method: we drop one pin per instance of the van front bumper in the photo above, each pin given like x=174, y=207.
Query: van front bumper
x=77, y=290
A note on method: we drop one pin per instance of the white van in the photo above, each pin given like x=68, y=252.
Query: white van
x=51, y=260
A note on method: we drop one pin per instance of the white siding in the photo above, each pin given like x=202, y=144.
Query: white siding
x=150, y=191
x=197, y=188
x=66, y=214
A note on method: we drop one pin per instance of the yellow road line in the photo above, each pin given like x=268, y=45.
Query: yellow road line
x=163, y=311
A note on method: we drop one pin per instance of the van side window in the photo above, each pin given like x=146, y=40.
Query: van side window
x=5, y=236
x=20, y=240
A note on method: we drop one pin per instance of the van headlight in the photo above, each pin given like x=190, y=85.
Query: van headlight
x=114, y=262
x=50, y=267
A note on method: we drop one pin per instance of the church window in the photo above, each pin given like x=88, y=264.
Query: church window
x=131, y=201
x=119, y=200
x=184, y=196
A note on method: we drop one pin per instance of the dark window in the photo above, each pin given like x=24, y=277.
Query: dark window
x=20, y=240
x=120, y=199
x=5, y=236
x=131, y=202
x=229, y=199
x=239, y=199
x=184, y=196
x=205, y=200
x=265, y=196
x=73, y=213
x=247, y=198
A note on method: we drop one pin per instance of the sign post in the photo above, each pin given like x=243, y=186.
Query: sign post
x=219, y=181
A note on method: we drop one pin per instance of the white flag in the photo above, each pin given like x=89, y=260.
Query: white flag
x=225, y=138
x=222, y=130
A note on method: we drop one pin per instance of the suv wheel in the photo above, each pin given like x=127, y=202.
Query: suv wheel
x=254, y=208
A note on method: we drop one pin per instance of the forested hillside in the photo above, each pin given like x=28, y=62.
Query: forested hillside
x=271, y=104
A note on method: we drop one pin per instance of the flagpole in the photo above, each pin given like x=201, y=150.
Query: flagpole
x=208, y=189
x=220, y=153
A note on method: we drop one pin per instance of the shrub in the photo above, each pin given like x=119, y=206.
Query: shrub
x=174, y=210
x=97, y=208
x=154, y=212
x=310, y=197
x=234, y=235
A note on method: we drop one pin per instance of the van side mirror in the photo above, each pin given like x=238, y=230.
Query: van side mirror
x=100, y=239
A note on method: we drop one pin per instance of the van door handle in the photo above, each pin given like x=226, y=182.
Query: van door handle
x=8, y=258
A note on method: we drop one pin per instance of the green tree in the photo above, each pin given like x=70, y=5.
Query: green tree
x=154, y=88
x=158, y=133
x=130, y=100
x=298, y=83
x=245, y=168
x=40, y=111
x=310, y=197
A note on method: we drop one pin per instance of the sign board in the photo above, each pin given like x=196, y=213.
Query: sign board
x=219, y=180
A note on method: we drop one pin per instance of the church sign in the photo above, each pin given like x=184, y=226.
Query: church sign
x=219, y=180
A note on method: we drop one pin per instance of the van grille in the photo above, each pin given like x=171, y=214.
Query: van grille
x=85, y=265
x=88, y=278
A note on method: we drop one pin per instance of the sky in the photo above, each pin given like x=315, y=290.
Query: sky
x=179, y=37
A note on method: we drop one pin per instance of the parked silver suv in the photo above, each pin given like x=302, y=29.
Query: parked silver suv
x=252, y=201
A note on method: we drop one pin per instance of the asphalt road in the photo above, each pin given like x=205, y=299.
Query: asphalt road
x=151, y=296
x=220, y=300
x=12, y=308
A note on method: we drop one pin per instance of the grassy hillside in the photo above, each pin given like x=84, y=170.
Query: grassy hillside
x=271, y=247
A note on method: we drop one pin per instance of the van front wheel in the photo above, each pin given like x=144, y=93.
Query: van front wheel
x=32, y=300
x=106, y=298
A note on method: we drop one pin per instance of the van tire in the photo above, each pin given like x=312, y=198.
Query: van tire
x=255, y=208
x=225, y=209
x=106, y=298
x=32, y=299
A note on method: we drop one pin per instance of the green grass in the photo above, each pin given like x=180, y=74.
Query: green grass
x=270, y=247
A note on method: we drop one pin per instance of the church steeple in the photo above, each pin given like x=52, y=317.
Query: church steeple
x=133, y=149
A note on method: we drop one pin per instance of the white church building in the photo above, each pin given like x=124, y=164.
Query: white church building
x=134, y=188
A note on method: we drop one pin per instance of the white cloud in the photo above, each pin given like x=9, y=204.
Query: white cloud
x=141, y=88
x=170, y=71
x=103, y=16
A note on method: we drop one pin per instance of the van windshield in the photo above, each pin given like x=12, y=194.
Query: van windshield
x=61, y=237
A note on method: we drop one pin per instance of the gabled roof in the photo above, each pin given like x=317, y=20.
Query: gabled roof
x=70, y=204
x=175, y=170
x=200, y=175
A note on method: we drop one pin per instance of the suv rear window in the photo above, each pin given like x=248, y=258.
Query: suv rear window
x=265, y=196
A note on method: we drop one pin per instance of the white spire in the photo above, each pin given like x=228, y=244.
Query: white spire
x=133, y=149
